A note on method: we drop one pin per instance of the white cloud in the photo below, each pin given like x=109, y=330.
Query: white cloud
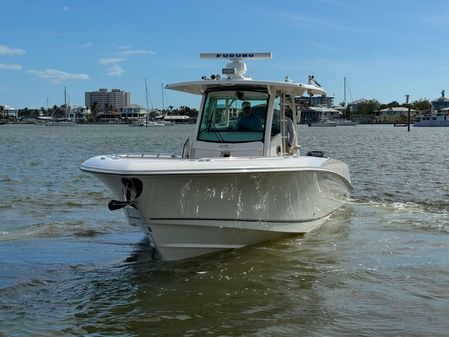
x=116, y=70
x=65, y=8
x=4, y=66
x=5, y=50
x=57, y=76
x=111, y=60
x=128, y=52
x=87, y=44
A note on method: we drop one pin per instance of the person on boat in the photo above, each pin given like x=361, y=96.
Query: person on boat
x=248, y=120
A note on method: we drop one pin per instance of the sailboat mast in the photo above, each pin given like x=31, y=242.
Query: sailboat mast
x=65, y=102
x=146, y=92
x=148, y=97
x=163, y=99
x=344, y=85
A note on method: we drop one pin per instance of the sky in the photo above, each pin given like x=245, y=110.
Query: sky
x=385, y=49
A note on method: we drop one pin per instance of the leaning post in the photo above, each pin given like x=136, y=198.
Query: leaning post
x=408, y=114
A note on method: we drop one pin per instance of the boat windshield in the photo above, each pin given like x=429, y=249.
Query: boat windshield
x=234, y=116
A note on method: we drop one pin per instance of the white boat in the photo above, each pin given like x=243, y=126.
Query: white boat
x=230, y=187
x=61, y=123
x=440, y=119
x=146, y=123
x=345, y=122
x=323, y=123
x=152, y=123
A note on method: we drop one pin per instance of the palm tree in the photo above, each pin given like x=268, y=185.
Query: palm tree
x=94, y=109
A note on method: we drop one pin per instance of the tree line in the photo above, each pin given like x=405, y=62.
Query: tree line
x=372, y=107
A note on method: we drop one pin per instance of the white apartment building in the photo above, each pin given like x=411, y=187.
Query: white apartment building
x=116, y=98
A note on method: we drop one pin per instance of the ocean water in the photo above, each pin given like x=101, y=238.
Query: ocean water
x=70, y=267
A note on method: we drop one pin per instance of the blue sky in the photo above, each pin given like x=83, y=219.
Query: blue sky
x=385, y=48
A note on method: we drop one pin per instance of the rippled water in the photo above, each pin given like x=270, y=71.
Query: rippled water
x=69, y=267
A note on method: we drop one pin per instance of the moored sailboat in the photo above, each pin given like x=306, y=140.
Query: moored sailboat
x=65, y=121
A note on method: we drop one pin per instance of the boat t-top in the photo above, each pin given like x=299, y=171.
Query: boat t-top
x=239, y=180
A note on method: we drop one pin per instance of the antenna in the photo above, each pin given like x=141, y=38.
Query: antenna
x=235, y=69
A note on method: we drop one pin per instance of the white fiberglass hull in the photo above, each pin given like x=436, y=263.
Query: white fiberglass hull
x=327, y=124
x=194, y=207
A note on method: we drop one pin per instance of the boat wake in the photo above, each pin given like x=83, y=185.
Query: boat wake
x=408, y=215
x=52, y=229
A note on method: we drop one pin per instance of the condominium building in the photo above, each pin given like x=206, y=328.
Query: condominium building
x=103, y=99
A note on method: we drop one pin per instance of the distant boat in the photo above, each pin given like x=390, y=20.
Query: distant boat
x=441, y=119
x=324, y=123
x=146, y=123
x=60, y=123
x=152, y=123
x=345, y=122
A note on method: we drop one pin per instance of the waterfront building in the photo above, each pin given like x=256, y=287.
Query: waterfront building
x=10, y=112
x=320, y=101
x=104, y=100
x=133, y=112
x=315, y=114
x=79, y=113
x=354, y=105
x=395, y=115
x=440, y=103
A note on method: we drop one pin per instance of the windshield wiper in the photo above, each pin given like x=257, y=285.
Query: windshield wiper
x=212, y=128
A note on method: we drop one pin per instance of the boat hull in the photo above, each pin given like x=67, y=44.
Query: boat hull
x=432, y=123
x=328, y=124
x=194, y=213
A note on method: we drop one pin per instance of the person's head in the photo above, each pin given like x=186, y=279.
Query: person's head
x=246, y=108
